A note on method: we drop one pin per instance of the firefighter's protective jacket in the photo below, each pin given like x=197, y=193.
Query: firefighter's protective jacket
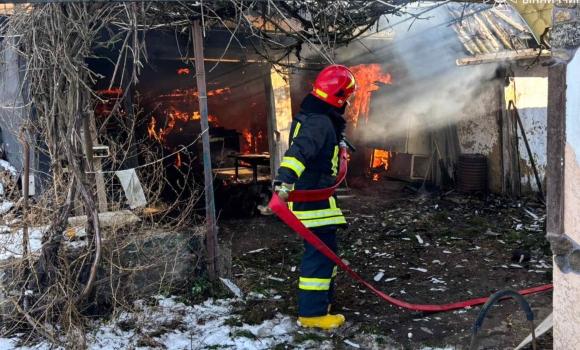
x=312, y=161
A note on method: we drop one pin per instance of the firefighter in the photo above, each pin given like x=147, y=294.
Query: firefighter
x=311, y=163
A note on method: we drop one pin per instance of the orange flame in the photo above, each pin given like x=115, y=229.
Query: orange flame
x=172, y=117
x=178, y=160
x=247, y=134
x=366, y=76
x=376, y=177
x=183, y=71
x=381, y=158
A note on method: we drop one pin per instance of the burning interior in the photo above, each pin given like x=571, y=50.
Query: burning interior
x=398, y=138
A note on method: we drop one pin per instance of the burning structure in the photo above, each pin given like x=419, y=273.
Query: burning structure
x=401, y=136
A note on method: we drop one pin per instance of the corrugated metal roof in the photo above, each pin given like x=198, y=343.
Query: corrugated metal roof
x=485, y=29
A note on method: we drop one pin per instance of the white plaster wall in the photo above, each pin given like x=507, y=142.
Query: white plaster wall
x=567, y=287
x=529, y=90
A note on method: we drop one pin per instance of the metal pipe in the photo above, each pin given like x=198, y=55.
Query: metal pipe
x=211, y=234
x=512, y=104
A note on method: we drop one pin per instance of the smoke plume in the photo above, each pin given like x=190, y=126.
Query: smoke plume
x=428, y=89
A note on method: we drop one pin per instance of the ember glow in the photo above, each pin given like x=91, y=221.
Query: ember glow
x=113, y=91
x=183, y=71
x=190, y=95
x=173, y=116
x=366, y=77
x=381, y=159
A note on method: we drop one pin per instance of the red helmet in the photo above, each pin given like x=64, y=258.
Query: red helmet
x=334, y=85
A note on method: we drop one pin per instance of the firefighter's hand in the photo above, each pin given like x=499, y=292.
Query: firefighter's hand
x=283, y=191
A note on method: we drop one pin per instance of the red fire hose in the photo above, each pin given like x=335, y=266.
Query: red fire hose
x=279, y=207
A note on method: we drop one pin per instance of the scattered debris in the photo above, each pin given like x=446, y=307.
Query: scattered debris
x=231, y=286
x=420, y=269
x=256, y=251
x=379, y=276
x=437, y=281
x=276, y=279
x=534, y=216
x=348, y=342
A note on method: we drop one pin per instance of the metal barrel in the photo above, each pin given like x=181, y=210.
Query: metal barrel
x=472, y=173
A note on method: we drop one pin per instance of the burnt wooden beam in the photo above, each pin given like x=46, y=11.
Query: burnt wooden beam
x=210, y=217
x=511, y=181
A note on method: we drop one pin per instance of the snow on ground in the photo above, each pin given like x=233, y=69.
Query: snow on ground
x=11, y=243
x=179, y=326
x=165, y=322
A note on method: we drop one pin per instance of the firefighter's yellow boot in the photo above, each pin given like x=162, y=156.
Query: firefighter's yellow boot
x=325, y=322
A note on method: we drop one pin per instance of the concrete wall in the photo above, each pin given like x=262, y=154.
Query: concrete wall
x=529, y=90
x=478, y=130
x=479, y=124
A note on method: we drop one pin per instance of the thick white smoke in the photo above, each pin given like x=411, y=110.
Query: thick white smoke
x=429, y=90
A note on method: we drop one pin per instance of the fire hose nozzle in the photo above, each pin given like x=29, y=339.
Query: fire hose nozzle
x=344, y=143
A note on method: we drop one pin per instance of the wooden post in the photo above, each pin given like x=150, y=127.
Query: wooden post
x=511, y=183
x=131, y=160
x=211, y=235
x=94, y=164
x=277, y=86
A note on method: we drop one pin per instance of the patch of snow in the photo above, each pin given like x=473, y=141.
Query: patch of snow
x=8, y=167
x=11, y=244
x=5, y=207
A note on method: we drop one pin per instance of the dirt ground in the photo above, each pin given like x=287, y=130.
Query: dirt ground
x=470, y=247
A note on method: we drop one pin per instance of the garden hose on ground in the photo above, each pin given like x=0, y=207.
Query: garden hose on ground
x=502, y=294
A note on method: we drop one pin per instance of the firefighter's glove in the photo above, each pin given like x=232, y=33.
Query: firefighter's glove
x=283, y=190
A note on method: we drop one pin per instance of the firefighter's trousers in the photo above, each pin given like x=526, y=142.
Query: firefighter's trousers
x=317, y=273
